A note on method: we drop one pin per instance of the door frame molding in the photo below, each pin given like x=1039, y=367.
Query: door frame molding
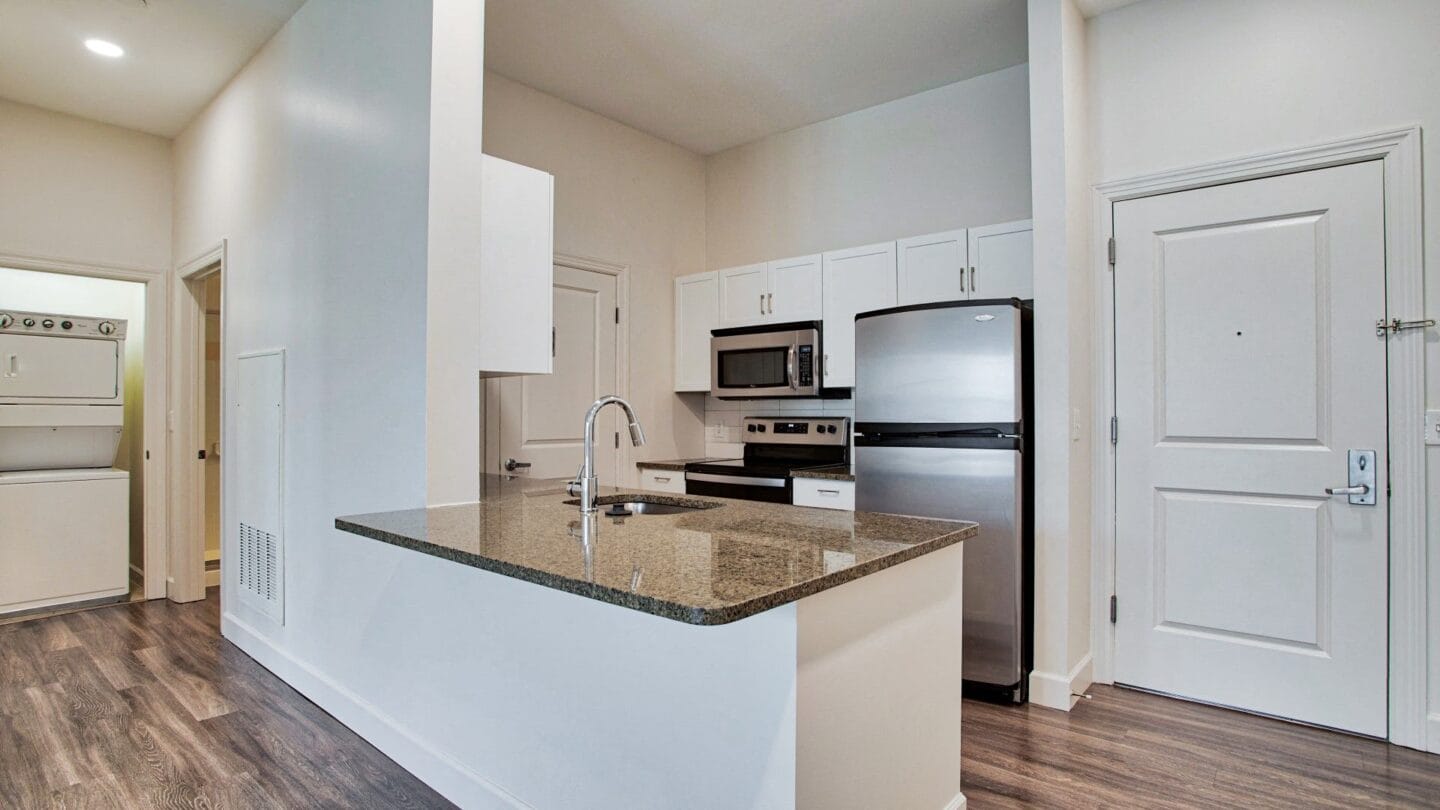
x=1399, y=151
x=156, y=487
x=491, y=462
x=187, y=546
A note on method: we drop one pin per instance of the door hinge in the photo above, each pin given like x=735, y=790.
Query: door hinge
x=200, y=455
x=617, y=440
x=552, y=341
x=1113, y=608
x=1110, y=252
x=1114, y=430
x=617, y=314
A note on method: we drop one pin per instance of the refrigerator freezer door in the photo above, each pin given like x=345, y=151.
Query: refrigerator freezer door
x=952, y=364
x=963, y=484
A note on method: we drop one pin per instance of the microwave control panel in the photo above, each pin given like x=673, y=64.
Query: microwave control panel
x=806, y=363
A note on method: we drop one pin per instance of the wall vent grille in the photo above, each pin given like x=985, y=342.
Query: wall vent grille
x=258, y=563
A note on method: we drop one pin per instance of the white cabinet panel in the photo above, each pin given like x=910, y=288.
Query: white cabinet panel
x=517, y=255
x=742, y=294
x=854, y=280
x=932, y=267
x=671, y=481
x=824, y=493
x=794, y=290
x=697, y=311
x=1002, y=261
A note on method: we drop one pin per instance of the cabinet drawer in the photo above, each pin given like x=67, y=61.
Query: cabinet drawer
x=825, y=494
x=672, y=481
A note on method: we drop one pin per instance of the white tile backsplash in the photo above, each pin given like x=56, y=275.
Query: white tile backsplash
x=723, y=417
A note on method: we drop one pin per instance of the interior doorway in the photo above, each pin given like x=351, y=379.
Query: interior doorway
x=211, y=420
x=535, y=422
x=56, y=449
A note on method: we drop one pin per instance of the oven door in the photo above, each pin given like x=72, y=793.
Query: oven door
x=743, y=487
x=765, y=362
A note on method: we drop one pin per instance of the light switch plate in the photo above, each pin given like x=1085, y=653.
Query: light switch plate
x=1432, y=427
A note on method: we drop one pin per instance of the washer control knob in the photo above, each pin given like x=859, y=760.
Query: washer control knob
x=48, y=323
x=106, y=328
x=6, y=319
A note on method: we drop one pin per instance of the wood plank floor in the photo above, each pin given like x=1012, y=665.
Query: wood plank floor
x=144, y=705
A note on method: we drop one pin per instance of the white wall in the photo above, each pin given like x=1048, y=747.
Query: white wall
x=950, y=157
x=82, y=191
x=33, y=291
x=1063, y=372
x=1176, y=83
x=626, y=198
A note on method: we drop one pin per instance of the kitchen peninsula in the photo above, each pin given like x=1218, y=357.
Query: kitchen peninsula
x=818, y=682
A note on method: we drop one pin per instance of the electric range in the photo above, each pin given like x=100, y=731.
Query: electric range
x=775, y=448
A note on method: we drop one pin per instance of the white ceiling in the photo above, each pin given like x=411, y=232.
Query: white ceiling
x=178, y=55
x=712, y=74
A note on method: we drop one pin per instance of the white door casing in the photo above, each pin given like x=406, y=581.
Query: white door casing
x=541, y=417
x=1247, y=365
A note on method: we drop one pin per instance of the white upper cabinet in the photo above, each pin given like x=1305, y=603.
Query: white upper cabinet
x=742, y=294
x=517, y=268
x=697, y=311
x=1002, y=261
x=794, y=293
x=932, y=267
x=854, y=280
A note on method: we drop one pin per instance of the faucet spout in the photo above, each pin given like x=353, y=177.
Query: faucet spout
x=586, y=484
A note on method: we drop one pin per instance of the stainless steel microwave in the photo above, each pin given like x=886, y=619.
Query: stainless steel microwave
x=766, y=362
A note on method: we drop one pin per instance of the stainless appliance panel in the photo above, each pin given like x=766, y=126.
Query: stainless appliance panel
x=963, y=484
x=949, y=364
x=764, y=363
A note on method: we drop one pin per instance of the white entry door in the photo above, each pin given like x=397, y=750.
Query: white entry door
x=542, y=416
x=1247, y=366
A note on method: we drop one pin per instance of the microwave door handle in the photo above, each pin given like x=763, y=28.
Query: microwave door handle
x=790, y=368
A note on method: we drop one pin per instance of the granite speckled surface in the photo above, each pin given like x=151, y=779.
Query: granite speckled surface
x=835, y=472
x=677, y=464
x=709, y=566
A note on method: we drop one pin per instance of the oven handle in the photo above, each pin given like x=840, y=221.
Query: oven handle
x=743, y=480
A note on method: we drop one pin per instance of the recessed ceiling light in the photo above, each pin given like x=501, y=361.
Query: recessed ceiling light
x=105, y=48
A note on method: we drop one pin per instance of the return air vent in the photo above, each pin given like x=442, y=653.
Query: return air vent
x=258, y=490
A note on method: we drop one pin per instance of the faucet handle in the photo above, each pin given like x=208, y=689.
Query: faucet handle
x=572, y=487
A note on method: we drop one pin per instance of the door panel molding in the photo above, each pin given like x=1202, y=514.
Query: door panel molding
x=1399, y=151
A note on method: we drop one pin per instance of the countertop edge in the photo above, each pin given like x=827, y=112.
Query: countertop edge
x=687, y=614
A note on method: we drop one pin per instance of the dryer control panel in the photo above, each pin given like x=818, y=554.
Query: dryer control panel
x=49, y=323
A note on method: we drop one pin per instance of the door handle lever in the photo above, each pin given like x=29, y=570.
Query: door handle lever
x=1363, y=489
x=511, y=465
x=1362, y=483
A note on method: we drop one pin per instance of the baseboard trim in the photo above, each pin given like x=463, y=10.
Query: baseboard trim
x=957, y=803
x=1062, y=691
x=1432, y=733
x=448, y=776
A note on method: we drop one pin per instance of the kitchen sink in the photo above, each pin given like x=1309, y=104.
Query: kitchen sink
x=628, y=505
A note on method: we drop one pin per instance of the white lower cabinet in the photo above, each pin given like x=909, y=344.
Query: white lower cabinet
x=824, y=493
x=671, y=481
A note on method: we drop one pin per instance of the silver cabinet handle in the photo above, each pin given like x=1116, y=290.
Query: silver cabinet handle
x=828, y=491
x=972, y=279
x=762, y=303
x=770, y=301
x=664, y=479
x=511, y=465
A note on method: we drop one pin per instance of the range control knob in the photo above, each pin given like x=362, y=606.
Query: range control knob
x=762, y=428
x=48, y=323
x=750, y=428
x=829, y=428
x=6, y=319
x=29, y=321
x=106, y=328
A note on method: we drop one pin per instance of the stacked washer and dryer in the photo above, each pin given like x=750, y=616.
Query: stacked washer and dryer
x=64, y=508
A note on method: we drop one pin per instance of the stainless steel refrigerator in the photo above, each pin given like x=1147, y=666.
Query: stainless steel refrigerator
x=943, y=413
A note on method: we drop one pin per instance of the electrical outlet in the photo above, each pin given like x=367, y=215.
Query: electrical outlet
x=1432, y=427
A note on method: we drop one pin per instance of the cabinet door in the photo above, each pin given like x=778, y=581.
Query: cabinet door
x=742, y=294
x=853, y=281
x=517, y=255
x=794, y=290
x=932, y=267
x=1002, y=261
x=697, y=311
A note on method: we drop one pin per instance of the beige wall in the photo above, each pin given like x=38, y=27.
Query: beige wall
x=82, y=191
x=627, y=198
x=951, y=157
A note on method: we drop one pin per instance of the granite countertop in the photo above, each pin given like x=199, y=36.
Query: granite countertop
x=835, y=472
x=709, y=566
x=677, y=464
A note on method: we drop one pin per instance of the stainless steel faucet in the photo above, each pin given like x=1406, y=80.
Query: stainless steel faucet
x=586, y=483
